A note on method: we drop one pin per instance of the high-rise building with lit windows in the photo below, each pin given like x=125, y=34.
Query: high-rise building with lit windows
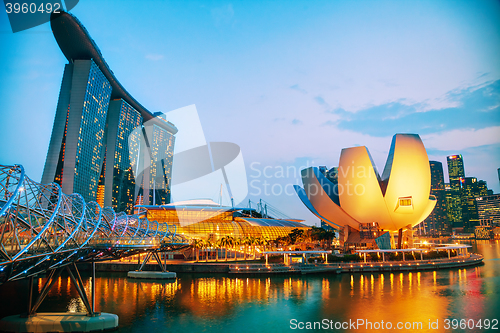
x=455, y=170
x=453, y=207
x=119, y=182
x=156, y=177
x=488, y=208
x=471, y=189
x=77, y=143
x=89, y=150
x=437, y=221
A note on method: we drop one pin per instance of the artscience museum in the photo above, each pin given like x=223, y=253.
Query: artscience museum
x=361, y=198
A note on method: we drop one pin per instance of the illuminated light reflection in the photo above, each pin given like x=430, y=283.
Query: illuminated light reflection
x=372, y=283
x=59, y=282
x=392, y=283
x=325, y=284
x=401, y=282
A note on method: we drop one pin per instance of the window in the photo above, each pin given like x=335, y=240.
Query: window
x=405, y=201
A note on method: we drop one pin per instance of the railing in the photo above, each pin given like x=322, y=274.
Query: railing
x=470, y=259
x=42, y=228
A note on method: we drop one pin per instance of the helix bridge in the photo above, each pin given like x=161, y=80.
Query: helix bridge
x=43, y=229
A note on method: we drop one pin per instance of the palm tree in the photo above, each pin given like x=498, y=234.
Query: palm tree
x=253, y=241
x=237, y=242
x=264, y=242
x=329, y=235
x=226, y=242
x=231, y=242
x=217, y=245
x=197, y=244
x=246, y=241
x=207, y=244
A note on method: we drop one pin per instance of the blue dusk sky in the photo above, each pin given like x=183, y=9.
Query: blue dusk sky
x=290, y=82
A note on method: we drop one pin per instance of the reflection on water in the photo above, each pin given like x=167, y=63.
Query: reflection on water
x=248, y=304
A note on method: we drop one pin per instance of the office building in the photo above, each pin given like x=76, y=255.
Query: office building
x=453, y=207
x=471, y=189
x=437, y=221
x=488, y=208
x=455, y=170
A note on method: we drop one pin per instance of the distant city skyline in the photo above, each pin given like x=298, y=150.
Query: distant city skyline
x=290, y=83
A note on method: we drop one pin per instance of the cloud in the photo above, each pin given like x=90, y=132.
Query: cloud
x=298, y=88
x=154, y=56
x=462, y=139
x=320, y=100
x=297, y=122
x=475, y=108
x=329, y=123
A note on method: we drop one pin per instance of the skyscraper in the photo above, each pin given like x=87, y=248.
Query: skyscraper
x=453, y=194
x=471, y=189
x=119, y=183
x=89, y=151
x=77, y=147
x=489, y=209
x=437, y=221
x=156, y=164
x=453, y=207
x=455, y=170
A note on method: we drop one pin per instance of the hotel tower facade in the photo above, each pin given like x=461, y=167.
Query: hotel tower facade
x=90, y=152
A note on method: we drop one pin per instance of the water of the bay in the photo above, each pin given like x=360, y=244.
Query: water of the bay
x=227, y=303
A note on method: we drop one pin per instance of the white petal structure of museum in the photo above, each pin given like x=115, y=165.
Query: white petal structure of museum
x=400, y=198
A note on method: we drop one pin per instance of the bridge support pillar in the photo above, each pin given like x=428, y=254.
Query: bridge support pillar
x=30, y=295
x=93, y=286
x=65, y=321
x=164, y=274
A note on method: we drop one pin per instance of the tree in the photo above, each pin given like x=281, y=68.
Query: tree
x=226, y=242
x=245, y=241
x=197, y=244
x=207, y=244
x=295, y=235
x=323, y=236
x=252, y=241
x=236, y=243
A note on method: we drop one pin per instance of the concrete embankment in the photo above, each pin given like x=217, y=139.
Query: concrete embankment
x=188, y=267
x=259, y=268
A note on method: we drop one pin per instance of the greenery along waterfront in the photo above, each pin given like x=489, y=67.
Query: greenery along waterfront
x=248, y=247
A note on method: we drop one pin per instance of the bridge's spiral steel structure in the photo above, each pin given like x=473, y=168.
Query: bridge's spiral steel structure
x=42, y=228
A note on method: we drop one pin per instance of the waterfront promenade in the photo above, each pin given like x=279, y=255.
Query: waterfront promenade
x=253, y=267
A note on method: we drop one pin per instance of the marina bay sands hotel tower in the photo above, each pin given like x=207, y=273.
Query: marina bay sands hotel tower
x=89, y=147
